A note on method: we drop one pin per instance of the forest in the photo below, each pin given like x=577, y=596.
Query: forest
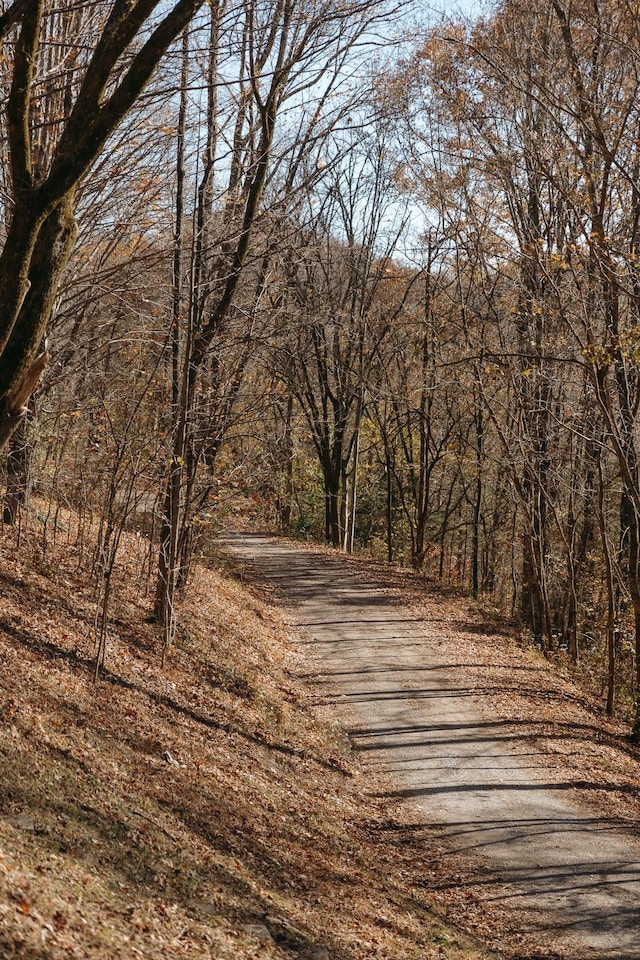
x=337, y=270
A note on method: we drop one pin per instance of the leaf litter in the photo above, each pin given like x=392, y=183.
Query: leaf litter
x=205, y=810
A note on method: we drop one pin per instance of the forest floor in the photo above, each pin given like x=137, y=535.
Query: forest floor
x=498, y=755
x=214, y=807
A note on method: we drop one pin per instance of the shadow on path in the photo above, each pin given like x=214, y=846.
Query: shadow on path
x=408, y=709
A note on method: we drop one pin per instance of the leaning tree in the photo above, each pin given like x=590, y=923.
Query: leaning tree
x=75, y=72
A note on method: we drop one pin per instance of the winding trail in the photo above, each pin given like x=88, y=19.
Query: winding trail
x=571, y=878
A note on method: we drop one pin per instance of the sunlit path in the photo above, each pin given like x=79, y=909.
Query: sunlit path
x=572, y=877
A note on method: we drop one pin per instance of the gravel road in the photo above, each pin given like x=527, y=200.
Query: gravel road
x=571, y=877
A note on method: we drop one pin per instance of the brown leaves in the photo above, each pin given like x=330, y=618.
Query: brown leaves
x=259, y=813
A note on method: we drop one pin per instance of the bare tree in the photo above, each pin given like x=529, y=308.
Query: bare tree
x=260, y=65
x=119, y=51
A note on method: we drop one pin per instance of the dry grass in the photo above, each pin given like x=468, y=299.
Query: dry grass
x=162, y=813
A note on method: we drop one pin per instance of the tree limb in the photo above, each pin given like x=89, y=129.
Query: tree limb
x=13, y=408
x=12, y=16
x=92, y=120
x=20, y=95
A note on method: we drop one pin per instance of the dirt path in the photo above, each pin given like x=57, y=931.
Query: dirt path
x=569, y=878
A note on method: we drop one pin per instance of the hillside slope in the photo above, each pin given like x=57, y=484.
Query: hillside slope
x=201, y=810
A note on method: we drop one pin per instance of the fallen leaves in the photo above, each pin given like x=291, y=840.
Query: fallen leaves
x=157, y=814
x=168, y=810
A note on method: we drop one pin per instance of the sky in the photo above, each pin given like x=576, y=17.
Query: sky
x=468, y=8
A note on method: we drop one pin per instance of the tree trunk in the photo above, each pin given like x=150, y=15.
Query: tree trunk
x=477, y=505
x=20, y=364
x=18, y=461
x=171, y=515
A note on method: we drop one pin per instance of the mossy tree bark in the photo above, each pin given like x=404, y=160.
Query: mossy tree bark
x=42, y=231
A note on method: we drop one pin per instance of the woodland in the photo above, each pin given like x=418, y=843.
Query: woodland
x=341, y=271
